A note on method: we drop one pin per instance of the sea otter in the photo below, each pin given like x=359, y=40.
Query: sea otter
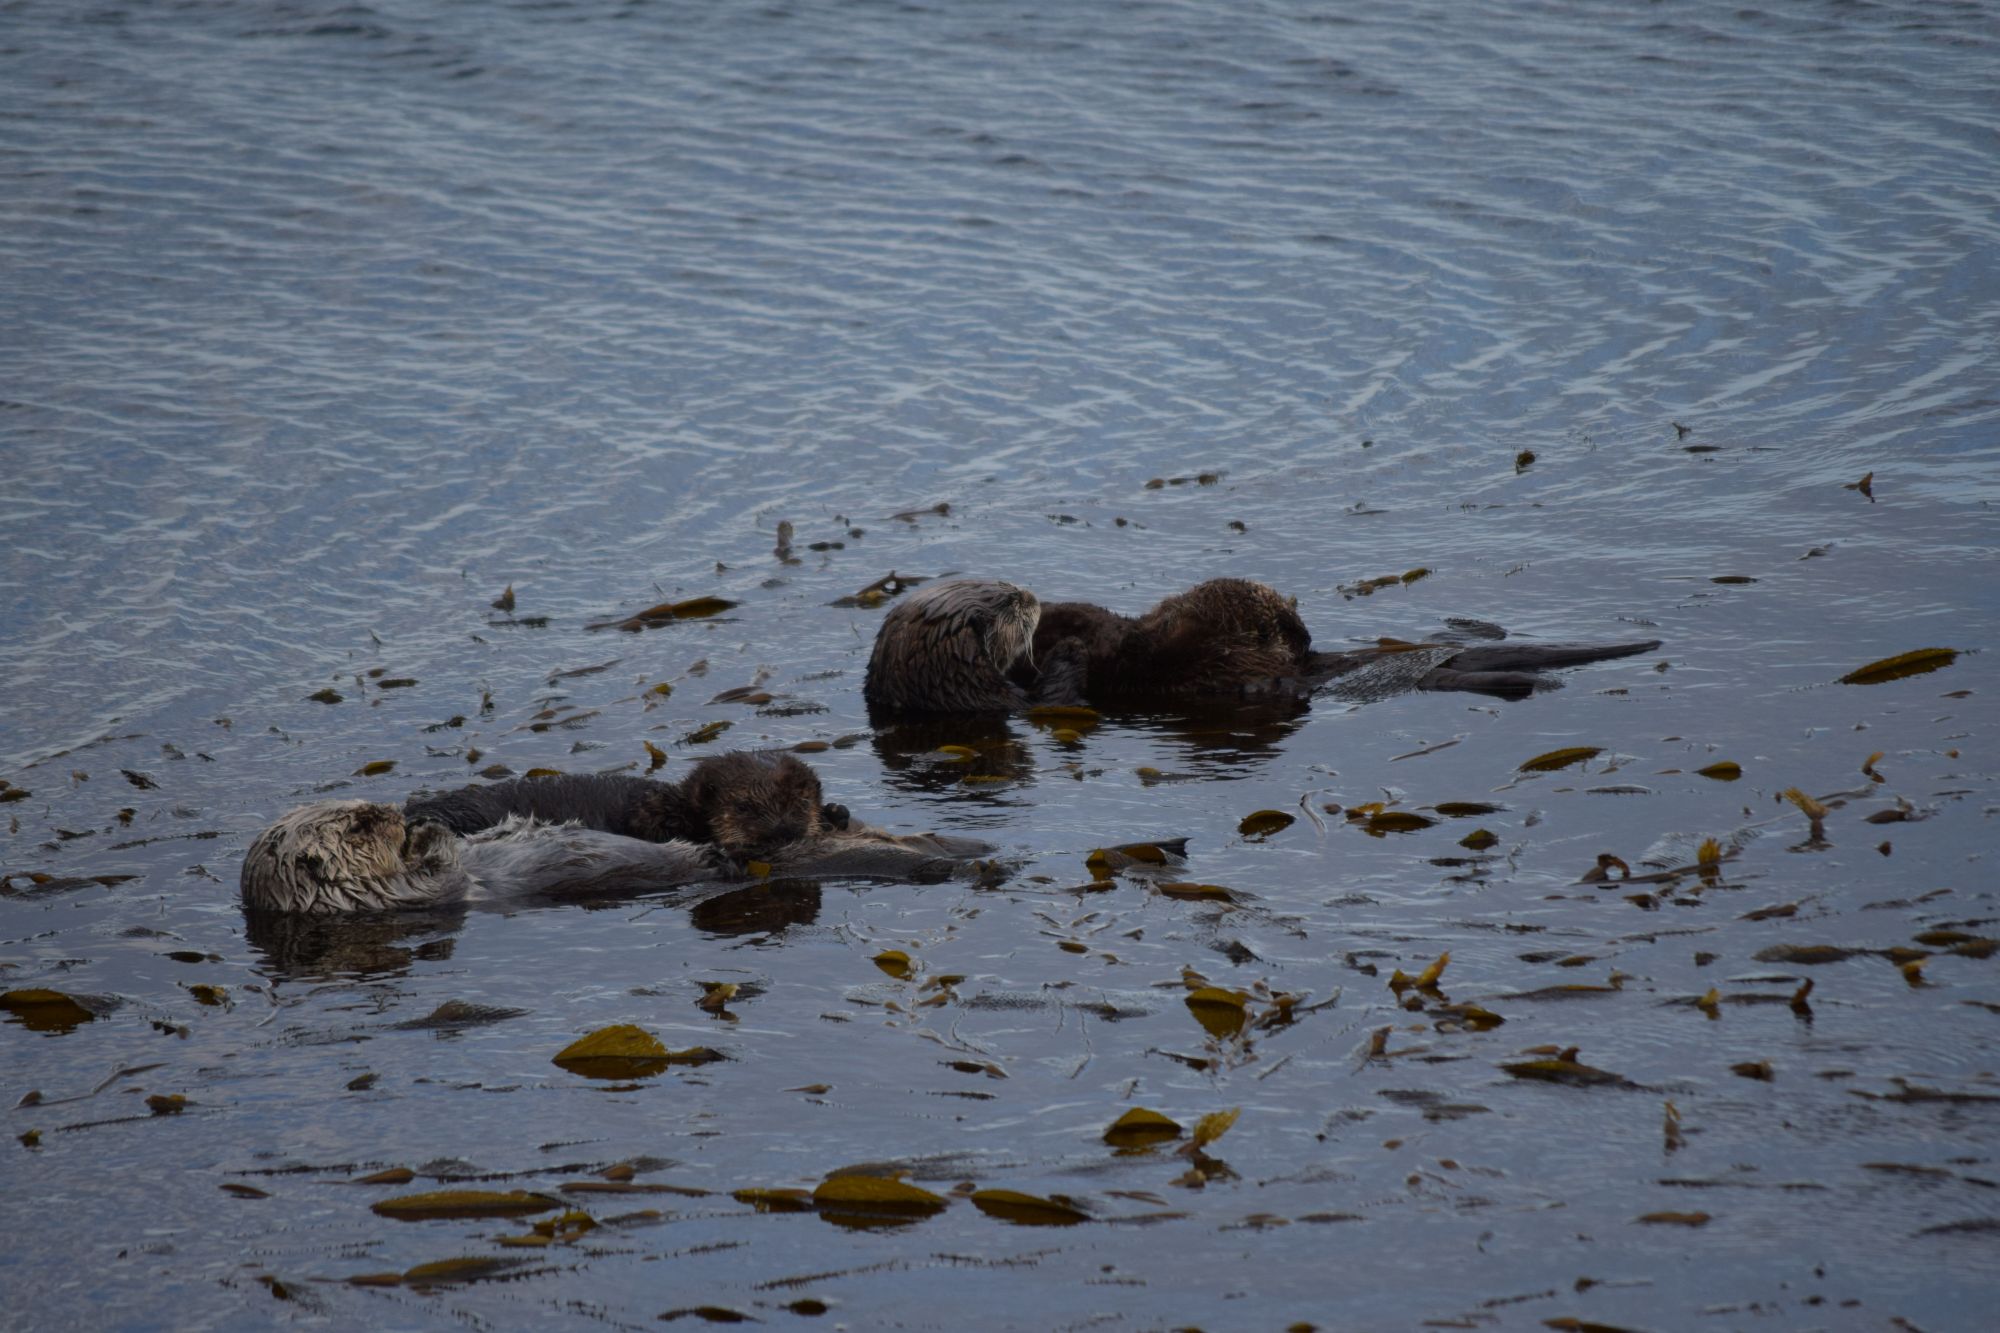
x=748, y=804
x=948, y=648
x=1225, y=637
x=357, y=856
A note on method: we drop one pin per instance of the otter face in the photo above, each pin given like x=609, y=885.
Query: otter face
x=947, y=648
x=350, y=856
x=751, y=805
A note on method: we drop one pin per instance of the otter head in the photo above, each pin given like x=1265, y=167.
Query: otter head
x=752, y=805
x=947, y=648
x=351, y=856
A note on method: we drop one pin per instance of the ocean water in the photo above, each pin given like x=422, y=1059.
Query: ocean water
x=325, y=324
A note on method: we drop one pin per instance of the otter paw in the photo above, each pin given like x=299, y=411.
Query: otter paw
x=836, y=815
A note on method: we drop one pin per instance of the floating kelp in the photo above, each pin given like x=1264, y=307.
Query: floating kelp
x=1263, y=823
x=694, y=608
x=1913, y=663
x=1725, y=770
x=1563, y=758
x=863, y=1200
x=625, y=1051
x=1029, y=1209
x=1564, y=1067
x=464, y=1203
x=41, y=1010
x=1221, y=1013
x=895, y=962
x=1141, y=1128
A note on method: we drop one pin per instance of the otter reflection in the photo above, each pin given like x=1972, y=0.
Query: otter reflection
x=958, y=648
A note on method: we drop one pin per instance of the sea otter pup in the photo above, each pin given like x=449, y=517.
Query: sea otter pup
x=356, y=856
x=748, y=804
x=1222, y=637
x=948, y=648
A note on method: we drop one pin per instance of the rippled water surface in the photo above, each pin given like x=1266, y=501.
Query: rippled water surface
x=326, y=323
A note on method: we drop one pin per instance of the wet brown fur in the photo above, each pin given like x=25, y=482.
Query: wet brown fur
x=746, y=803
x=948, y=648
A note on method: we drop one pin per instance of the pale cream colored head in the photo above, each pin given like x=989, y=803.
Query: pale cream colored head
x=947, y=648
x=351, y=856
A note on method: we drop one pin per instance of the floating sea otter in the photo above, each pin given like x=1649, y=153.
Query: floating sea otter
x=745, y=803
x=356, y=856
x=961, y=647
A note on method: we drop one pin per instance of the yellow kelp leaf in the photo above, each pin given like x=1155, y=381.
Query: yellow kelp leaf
x=1263, y=823
x=960, y=754
x=1809, y=806
x=1798, y=1000
x=1068, y=736
x=464, y=1203
x=1868, y=767
x=208, y=994
x=1555, y=759
x=1671, y=1128
x=1214, y=1125
x=1711, y=1003
x=1139, y=1128
x=1675, y=1219
x=1222, y=1013
x=1725, y=770
x=1072, y=713
x=1563, y=1068
x=375, y=769
x=895, y=962
x=1709, y=853
x=1211, y=892
x=1757, y=1069
x=1478, y=840
x=1913, y=972
x=543, y=773
x=566, y=1226
x=759, y=869
x=1395, y=821
x=877, y=1194
x=1471, y=1016
x=468, y=1269
x=1028, y=1209
x=663, y=689
x=168, y=1103
x=1913, y=663
x=694, y=608
x=395, y=1175
x=655, y=756
x=1400, y=981
x=41, y=1010
x=775, y=1201
x=1412, y=575
x=707, y=732
x=621, y=1051
x=715, y=995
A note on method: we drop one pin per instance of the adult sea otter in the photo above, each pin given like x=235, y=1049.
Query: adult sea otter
x=959, y=647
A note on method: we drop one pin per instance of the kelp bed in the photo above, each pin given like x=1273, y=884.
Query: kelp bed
x=1579, y=1011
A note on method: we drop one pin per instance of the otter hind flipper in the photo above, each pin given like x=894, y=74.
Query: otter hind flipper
x=1512, y=656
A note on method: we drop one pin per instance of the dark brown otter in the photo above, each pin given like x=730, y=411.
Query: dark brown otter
x=1237, y=637
x=745, y=803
